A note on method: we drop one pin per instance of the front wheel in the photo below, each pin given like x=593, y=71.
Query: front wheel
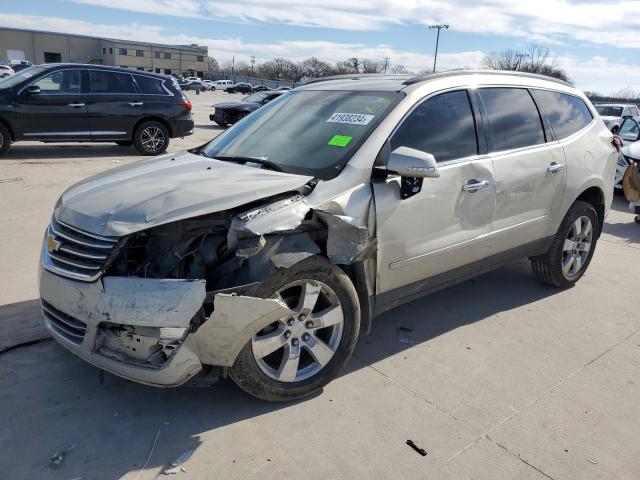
x=299, y=354
x=572, y=247
x=151, y=138
x=5, y=140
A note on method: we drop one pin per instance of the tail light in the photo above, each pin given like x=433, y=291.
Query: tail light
x=186, y=104
x=617, y=143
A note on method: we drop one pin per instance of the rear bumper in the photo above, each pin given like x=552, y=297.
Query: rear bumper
x=182, y=127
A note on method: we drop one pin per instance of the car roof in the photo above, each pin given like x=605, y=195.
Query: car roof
x=105, y=68
x=616, y=105
x=391, y=82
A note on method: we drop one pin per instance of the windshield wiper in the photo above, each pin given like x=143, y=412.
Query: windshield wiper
x=261, y=161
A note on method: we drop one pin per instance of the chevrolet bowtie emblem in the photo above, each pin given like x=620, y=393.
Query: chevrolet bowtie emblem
x=52, y=244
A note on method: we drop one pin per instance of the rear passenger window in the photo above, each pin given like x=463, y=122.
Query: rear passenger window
x=442, y=126
x=567, y=114
x=150, y=86
x=514, y=120
x=111, y=82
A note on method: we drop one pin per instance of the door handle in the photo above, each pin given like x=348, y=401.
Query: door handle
x=135, y=104
x=555, y=168
x=474, y=185
x=76, y=105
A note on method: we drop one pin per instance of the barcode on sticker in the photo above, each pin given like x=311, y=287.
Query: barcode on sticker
x=351, y=118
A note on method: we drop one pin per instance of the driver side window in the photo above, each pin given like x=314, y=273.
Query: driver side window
x=442, y=126
x=62, y=82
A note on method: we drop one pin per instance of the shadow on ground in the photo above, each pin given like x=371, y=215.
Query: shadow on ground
x=53, y=400
x=54, y=151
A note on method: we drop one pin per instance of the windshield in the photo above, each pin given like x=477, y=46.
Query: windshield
x=609, y=111
x=13, y=80
x=306, y=132
x=255, y=98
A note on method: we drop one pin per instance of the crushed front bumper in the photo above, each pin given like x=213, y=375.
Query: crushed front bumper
x=136, y=328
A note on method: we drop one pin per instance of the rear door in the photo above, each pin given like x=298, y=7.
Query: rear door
x=438, y=234
x=158, y=100
x=114, y=105
x=58, y=111
x=530, y=171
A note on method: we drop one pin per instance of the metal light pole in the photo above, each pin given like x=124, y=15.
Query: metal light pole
x=520, y=56
x=253, y=61
x=439, y=27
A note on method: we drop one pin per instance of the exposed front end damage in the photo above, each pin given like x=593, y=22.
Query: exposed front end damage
x=180, y=295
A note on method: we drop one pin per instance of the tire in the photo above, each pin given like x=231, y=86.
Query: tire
x=5, y=140
x=222, y=124
x=124, y=143
x=615, y=129
x=143, y=138
x=264, y=375
x=563, y=264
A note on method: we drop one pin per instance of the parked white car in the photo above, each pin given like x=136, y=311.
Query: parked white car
x=221, y=84
x=265, y=253
x=208, y=84
x=192, y=79
x=629, y=134
x=5, y=71
x=613, y=114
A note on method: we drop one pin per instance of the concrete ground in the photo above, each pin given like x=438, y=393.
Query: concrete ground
x=502, y=377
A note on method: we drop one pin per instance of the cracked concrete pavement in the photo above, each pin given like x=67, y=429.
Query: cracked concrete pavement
x=502, y=377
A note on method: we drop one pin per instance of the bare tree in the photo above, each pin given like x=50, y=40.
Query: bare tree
x=398, y=69
x=212, y=65
x=371, y=66
x=535, y=58
x=315, y=68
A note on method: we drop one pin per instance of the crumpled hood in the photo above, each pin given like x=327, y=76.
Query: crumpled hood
x=632, y=150
x=164, y=189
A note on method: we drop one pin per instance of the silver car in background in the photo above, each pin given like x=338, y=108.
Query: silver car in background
x=613, y=114
x=265, y=253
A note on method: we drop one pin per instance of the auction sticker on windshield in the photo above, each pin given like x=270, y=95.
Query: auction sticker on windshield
x=350, y=118
x=340, y=140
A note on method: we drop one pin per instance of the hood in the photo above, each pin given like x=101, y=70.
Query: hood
x=632, y=150
x=608, y=118
x=164, y=189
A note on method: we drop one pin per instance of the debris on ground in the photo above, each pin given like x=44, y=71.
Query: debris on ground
x=59, y=457
x=176, y=465
x=421, y=451
x=153, y=447
x=404, y=336
x=592, y=461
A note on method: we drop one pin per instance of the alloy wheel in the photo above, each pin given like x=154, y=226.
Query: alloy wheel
x=298, y=346
x=153, y=139
x=577, y=246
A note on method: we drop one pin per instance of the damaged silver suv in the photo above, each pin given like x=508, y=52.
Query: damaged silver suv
x=265, y=253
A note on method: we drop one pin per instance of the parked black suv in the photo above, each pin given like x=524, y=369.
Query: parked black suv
x=89, y=103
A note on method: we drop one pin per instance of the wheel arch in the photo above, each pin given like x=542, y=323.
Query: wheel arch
x=594, y=195
x=152, y=118
x=7, y=125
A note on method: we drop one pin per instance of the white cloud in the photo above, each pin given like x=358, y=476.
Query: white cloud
x=596, y=73
x=614, y=22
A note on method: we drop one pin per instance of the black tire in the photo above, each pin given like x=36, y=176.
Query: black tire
x=124, y=143
x=615, y=129
x=548, y=267
x=144, y=132
x=248, y=375
x=5, y=140
x=222, y=124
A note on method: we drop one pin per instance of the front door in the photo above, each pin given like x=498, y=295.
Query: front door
x=114, y=105
x=438, y=234
x=57, y=111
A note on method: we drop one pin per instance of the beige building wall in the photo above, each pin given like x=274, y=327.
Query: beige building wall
x=43, y=47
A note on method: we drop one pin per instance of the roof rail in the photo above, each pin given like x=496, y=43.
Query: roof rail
x=358, y=76
x=433, y=76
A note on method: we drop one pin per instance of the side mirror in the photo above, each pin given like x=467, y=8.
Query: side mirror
x=32, y=90
x=630, y=137
x=409, y=162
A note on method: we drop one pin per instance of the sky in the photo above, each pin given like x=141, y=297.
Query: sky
x=596, y=42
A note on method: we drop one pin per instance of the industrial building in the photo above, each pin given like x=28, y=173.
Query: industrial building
x=49, y=47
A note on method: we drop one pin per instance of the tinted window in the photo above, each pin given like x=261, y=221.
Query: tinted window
x=566, y=113
x=167, y=56
x=150, y=86
x=139, y=53
x=607, y=111
x=111, y=82
x=62, y=82
x=442, y=126
x=122, y=51
x=513, y=118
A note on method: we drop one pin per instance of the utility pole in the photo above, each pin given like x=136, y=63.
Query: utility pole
x=253, y=61
x=439, y=27
x=386, y=64
x=233, y=68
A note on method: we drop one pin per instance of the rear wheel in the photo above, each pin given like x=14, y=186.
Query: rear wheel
x=572, y=247
x=5, y=140
x=299, y=354
x=151, y=138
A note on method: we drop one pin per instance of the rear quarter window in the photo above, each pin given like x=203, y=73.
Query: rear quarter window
x=150, y=86
x=513, y=117
x=566, y=114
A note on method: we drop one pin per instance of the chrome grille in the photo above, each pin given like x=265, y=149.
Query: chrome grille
x=64, y=325
x=76, y=254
